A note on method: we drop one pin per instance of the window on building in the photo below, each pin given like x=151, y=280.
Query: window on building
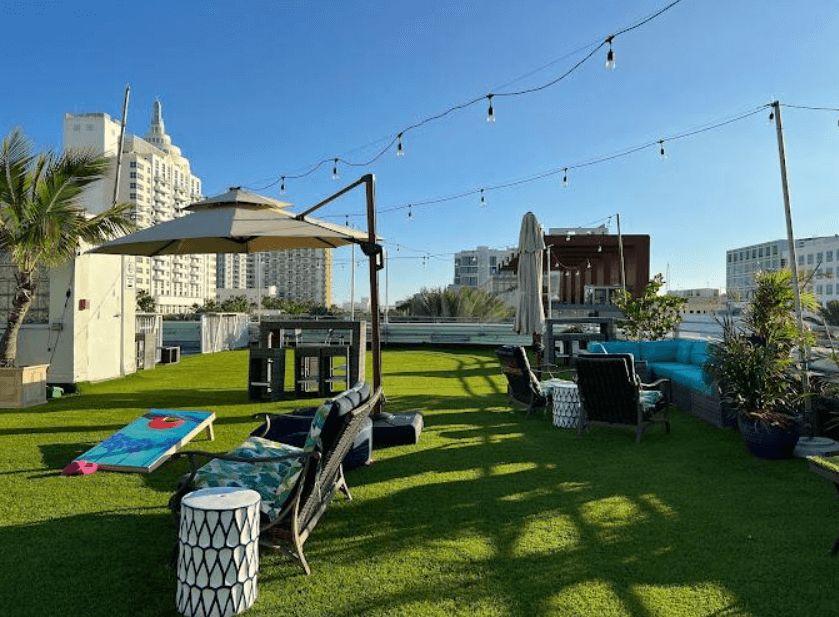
x=754, y=253
x=828, y=289
x=729, y=258
x=810, y=259
x=801, y=260
x=760, y=252
x=775, y=249
x=77, y=127
x=828, y=256
x=819, y=258
x=819, y=290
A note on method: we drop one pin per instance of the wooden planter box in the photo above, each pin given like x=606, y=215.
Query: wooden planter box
x=23, y=386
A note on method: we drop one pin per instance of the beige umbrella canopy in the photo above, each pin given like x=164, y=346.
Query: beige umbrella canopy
x=530, y=314
x=234, y=222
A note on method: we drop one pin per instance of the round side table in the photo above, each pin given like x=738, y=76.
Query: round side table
x=218, y=552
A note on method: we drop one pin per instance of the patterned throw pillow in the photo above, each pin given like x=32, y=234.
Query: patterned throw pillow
x=273, y=480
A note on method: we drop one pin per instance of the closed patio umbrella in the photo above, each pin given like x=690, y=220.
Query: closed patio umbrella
x=530, y=314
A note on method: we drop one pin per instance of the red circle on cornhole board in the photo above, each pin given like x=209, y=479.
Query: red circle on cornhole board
x=165, y=422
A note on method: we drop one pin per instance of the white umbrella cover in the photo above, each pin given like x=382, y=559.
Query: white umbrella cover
x=530, y=315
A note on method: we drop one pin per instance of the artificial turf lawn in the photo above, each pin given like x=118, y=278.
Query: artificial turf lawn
x=492, y=513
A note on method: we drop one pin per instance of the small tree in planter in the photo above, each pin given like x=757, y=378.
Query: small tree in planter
x=41, y=221
x=754, y=369
x=651, y=316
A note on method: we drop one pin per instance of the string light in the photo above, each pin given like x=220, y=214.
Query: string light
x=399, y=150
x=282, y=186
x=568, y=237
x=661, y=153
x=490, y=110
x=483, y=199
x=565, y=178
x=599, y=248
x=335, y=175
x=567, y=273
x=410, y=214
x=588, y=264
x=610, y=55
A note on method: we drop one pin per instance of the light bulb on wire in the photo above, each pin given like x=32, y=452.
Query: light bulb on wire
x=490, y=110
x=335, y=175
x=565, y=177
x=662, y=154
x=599, y=248
x=483, y=199
x=282, y=185
x=610, y=56
x=410, y=213
x=399, y=150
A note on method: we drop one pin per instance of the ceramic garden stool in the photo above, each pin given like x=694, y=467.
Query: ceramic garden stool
x=566, y=402
x=218, y=552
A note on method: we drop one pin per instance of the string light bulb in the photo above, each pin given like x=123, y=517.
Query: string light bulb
x=335, y=175
x=568, y=236
x=282, y=185
x=483, y=199
x=490, y=110
x=599, y=248
x=610, y=55
x=662, y=154
x=410, y=213
x=588, y=264
x=399, y=150
x=565, y=177
x=567, y=273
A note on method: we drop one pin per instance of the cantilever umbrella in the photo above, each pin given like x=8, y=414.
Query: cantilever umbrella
x=239, y=221
x=530, y=315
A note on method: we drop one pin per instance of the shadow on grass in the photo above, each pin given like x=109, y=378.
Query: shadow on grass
x=90, y=564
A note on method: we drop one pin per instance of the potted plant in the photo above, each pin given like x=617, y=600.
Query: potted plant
x=42, y=225
x=756, y=374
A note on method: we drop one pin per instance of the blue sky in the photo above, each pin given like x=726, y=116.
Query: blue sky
x=255, y=90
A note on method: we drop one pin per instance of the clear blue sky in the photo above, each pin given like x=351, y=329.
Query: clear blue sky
x=253, y=90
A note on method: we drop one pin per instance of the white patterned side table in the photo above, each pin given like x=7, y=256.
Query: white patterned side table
x=218, y=552
x=566, y=402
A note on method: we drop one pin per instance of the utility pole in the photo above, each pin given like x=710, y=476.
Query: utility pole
x=620, y=247
x=802, y=347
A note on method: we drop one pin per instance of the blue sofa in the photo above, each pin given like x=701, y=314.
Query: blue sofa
x=683, y=363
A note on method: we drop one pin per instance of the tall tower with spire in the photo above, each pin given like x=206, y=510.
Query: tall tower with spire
x=157, y=179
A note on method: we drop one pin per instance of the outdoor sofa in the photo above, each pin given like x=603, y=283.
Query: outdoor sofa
x=681, y=361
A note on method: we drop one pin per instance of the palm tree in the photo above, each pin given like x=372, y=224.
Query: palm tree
x=41, y=221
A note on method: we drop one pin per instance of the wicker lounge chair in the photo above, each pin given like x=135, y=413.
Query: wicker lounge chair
x=522, y=386
x=295, y=484
x=611, y=394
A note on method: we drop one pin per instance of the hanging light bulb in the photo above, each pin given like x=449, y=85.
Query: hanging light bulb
x=490, y=110
x=568, y=237
x=610, y=56
x=335, y=175
x=661, y=152
x=565, y=178
x=410, y=213
x=282, y=185
x=567, y=273
x=599, y=248
x=399, y=150
x=588, y=264
x=483, y=199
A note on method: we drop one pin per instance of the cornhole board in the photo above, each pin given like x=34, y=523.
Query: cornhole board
x=150, y=440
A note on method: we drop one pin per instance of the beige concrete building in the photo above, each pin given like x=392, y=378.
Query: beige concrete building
x=157, y=179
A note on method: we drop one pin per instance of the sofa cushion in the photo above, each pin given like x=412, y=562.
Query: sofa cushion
x=621, y=347
x=687, y=375
x=699, y=353
x=683, y=351
x=596, y=347
x=659, y=351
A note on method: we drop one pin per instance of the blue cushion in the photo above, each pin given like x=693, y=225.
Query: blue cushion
x=659, y=351
x=596, y=347
x=683, y=351
x=687, y=375
x=621, y=347
x=699, y=353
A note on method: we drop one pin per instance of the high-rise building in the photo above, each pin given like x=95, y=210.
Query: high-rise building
x=298, y=274
x=818, y=266
x=156, y=178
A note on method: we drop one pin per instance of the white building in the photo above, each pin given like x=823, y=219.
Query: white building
x=157, y=179
x=474, y=268
x=818, y=266
x=297, y=274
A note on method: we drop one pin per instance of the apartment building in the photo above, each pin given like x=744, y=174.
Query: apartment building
x=156, y=178
x=475, y=268
x=818, y=266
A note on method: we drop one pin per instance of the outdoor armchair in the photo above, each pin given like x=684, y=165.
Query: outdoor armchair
x=611, y=394
x=522, y=386
x=295, y=484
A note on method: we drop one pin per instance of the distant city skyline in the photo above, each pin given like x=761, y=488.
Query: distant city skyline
x=296, y=83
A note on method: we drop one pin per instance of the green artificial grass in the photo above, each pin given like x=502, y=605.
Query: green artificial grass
x=491, y=514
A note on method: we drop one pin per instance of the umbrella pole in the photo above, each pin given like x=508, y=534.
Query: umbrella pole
x=375, y=266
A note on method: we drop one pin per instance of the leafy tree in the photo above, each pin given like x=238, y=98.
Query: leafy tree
x=235, y=304
x=145, y=302
x=41, y=221
x=465, y=302
x=650, y=316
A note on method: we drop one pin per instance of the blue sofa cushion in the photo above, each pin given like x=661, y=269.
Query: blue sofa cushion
x=699, y=353
x=659, y=351
x=620, y=347
x=683, y=352
x=688, y=375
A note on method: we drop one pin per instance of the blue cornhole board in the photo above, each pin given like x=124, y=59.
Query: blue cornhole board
x=150, y=440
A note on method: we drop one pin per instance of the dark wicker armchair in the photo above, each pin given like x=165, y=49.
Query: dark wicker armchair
x=611, y=394
x=522, y=386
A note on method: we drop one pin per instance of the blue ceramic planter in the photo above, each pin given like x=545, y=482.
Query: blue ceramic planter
x=768, y=441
